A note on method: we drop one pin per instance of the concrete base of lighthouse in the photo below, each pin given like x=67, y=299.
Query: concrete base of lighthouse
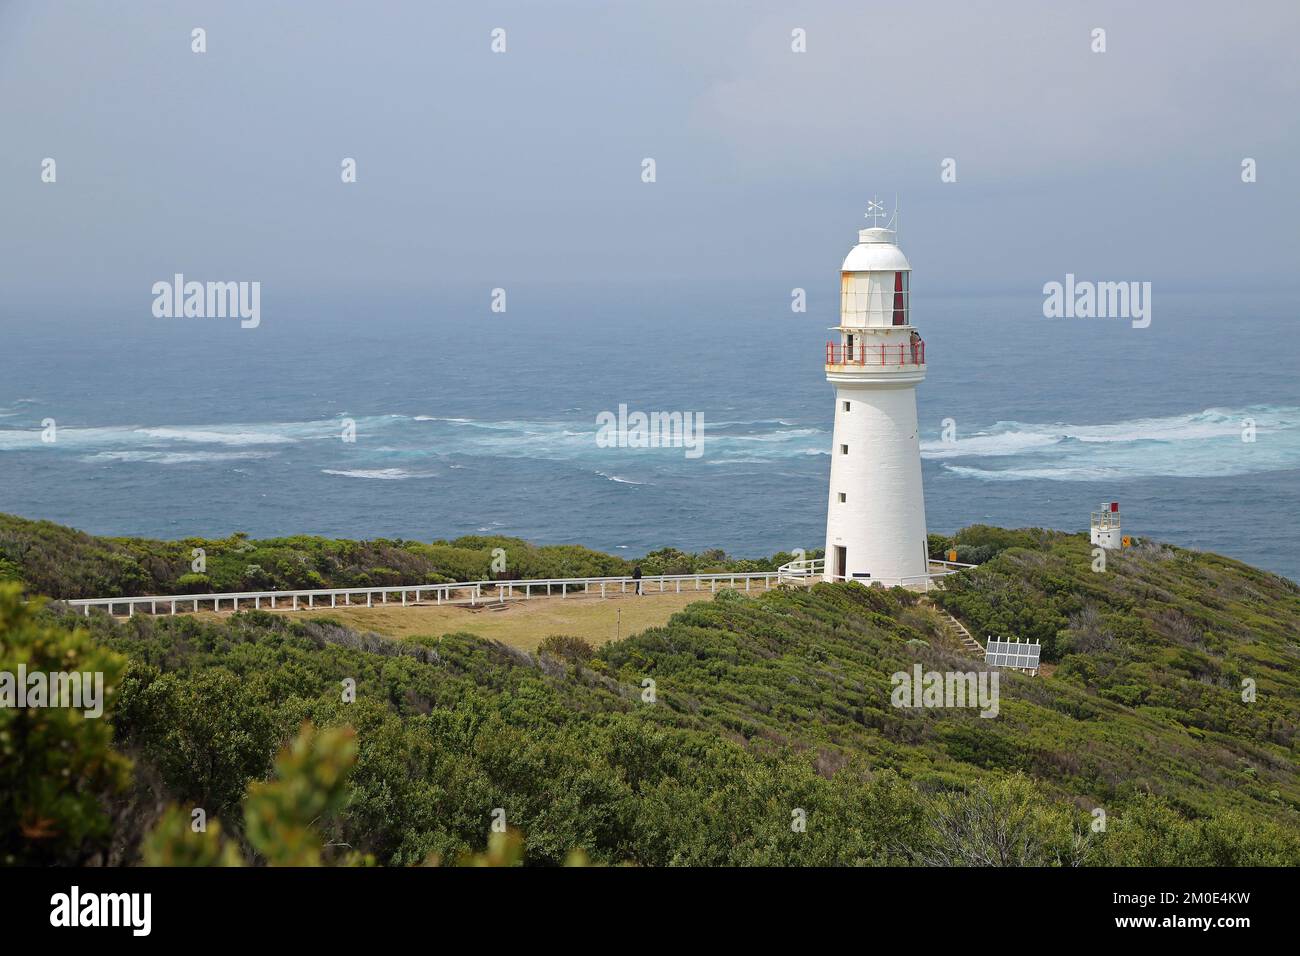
x=875, y=525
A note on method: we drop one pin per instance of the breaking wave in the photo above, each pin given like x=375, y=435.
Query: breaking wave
x=1206, y=444
x=381, y=474
x=173, y=457
x=1202, y=444
x=621, y=481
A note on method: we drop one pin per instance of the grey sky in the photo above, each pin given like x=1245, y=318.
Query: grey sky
x=526, y=166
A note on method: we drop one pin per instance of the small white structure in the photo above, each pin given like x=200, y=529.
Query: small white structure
x=875, y=520
x=1105, y=526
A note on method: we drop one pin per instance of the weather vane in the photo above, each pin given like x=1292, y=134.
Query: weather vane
x=875, y=209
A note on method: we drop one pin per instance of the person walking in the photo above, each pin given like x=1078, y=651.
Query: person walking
x=636, y=576
x=915, y=338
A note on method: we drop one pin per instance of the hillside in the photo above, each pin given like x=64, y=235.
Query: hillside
x=61, y=562
x=763, y=707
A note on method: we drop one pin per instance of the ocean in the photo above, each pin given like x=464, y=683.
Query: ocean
x=469, y=421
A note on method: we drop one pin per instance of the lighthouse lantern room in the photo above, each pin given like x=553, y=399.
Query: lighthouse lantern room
x=875, y=521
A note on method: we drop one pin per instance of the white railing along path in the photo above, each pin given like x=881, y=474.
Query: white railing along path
x=462, y=592
x=473, y=593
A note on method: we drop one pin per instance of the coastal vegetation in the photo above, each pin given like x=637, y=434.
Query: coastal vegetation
x=60, y=562
x=745, y=731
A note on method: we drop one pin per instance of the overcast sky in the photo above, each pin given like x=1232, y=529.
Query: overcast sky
x=524, y=166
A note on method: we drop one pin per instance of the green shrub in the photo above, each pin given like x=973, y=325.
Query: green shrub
x=56, y=763
x=570, y=648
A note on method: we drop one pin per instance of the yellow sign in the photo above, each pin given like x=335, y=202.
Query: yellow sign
x=1126, y=541
x=952, y=555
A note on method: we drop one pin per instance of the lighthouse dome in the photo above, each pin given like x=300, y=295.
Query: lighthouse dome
x=876, y=251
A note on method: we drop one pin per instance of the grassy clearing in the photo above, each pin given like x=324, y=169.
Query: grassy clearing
x=522, y=624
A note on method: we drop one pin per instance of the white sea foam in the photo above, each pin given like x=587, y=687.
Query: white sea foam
x=1206, y=444
x=125, y=437
x=1017, y=439
x=220, y=435
x=1064, y=473
x=174, y=457
x=621, y=481
x=779, y=435
x=381, y=474
x=1201, y=444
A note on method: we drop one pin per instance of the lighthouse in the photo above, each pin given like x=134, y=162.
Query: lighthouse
x=875, y=518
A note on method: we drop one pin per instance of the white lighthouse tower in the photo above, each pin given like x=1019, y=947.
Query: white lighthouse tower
x=875, y=520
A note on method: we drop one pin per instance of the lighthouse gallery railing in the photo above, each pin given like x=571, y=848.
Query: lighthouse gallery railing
x=861, y=353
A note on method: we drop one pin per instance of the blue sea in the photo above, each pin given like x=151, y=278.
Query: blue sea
x=471, y=422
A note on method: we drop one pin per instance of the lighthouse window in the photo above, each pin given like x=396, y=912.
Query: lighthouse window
x=843, y=497
x=844, y=449
x=846, y=406
x=900, y=298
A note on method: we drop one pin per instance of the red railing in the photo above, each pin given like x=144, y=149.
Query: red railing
x=861, y=353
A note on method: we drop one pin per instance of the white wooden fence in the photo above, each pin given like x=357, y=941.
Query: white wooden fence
x=472, y=593
x=465, y=592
